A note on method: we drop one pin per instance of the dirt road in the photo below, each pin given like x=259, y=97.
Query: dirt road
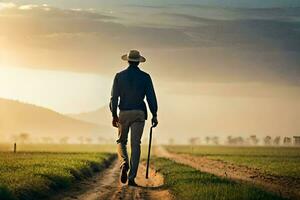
x=106, y=186
x=283, y=186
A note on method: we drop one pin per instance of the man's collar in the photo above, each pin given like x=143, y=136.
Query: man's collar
x=133, y=67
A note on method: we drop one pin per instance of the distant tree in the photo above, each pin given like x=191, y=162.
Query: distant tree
x=240, y=141
x=207, y=139
x=267, y=140
x=64, y=140
x=287, y=141
x=276, y=140
x=24, y=137
x=194, y=141
x=88, y=140
x=215, y=140
x=229, y=139
x=254, y=139
x=235, y=140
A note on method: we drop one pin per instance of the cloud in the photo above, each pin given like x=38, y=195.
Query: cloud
x=231, y=13
x=218, y=50
x=193, y=18
x=243, y=4
x=28, y=7
x=4, y=5
x=38, y=11
x=268, y=13
x=146, y=6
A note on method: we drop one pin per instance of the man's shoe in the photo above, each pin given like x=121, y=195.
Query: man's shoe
x=132, y=183
x=124, y=170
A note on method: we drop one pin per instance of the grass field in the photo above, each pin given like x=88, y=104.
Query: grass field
x=48, y=169
x=188, y=183
x=29, y=176
x=281, y=161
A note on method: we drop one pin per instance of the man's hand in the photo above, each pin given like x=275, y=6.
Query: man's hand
x=115, y=122
x=154, y=122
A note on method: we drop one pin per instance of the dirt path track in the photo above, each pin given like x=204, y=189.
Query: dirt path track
x=106, y=186
x=277, y=184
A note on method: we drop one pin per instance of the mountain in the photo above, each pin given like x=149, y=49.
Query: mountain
x=101, y=116
x=17, y=117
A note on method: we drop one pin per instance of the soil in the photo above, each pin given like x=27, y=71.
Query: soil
x=283, y=186
x=107, y=186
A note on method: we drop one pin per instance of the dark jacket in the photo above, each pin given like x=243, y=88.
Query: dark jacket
x=132, y=86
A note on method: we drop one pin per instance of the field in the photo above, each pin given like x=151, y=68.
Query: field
x=189, y=172
x=188, y=183
x=36, y=175
x=279, y=161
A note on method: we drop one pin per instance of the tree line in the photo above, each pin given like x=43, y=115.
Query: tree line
x=26, y=138
x=231, y=140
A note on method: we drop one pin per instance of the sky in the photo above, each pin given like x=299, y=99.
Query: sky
x=63, y=54
x=55, y=89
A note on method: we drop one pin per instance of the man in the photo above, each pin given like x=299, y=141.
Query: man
x=129, y=89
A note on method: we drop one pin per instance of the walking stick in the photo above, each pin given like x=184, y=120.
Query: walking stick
x=149, y=151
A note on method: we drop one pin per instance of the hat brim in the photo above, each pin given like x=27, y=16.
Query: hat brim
x=140, y=59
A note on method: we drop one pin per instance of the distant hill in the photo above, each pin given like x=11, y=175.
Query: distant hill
x=101, y=116
x=19, y=117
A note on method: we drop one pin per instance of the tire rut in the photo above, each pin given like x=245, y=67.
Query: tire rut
x=281, y=186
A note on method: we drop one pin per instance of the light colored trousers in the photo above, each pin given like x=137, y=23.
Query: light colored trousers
x=135, y=121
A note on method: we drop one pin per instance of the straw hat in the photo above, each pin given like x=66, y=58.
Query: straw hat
x=134, y=56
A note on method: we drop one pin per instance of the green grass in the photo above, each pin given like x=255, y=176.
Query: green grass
x=29, y=176
x=188, y=183
x=280, y=161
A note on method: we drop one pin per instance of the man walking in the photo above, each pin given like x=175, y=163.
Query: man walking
x=129, y=89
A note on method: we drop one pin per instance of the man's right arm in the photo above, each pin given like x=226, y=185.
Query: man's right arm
x=152, y=101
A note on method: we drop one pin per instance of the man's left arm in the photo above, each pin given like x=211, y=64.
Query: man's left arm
x=114, y=100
